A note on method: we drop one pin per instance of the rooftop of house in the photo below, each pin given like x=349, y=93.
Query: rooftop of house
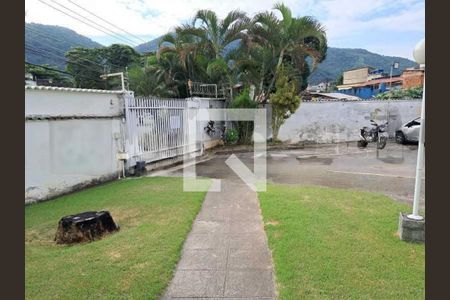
x=361, y=67
x=394, y=79
x=337, y=96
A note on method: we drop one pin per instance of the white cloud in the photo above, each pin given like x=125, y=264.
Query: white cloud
x=344, y=19
x=144, y=18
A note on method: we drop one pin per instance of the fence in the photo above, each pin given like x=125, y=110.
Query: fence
x=209, y=90
x=75, y=137
x=158, y=128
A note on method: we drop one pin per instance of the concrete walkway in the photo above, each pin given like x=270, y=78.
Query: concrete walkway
x=226, y=254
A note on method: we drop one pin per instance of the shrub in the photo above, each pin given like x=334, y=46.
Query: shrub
x=231, y=136
x=415, y=92
x=244, y=128
x=285, y=101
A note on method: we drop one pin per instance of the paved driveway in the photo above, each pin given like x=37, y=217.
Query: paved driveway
x=390, y=171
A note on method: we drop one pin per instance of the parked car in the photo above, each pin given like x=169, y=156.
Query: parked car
x=408, y=132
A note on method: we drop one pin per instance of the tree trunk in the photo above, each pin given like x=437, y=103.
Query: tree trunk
x=280, y=61
x=275, y=126
x=261, y=83
x=275, y=130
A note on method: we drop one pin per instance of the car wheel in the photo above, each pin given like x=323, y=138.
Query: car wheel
x=400, y=137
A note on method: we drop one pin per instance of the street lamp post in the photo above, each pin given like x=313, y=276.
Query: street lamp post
x=412, y=226
x=419, y=57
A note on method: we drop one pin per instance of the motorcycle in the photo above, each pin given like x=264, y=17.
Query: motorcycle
x=376, y=134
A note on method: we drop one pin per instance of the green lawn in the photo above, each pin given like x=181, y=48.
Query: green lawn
x=155, y=216
x=340, y=244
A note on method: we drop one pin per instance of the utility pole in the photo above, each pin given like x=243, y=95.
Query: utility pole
x=393, y=66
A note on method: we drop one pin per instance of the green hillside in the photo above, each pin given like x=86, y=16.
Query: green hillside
x=150, y=46
x=46, y=44
x=341, y=59
x=51, y=42
x=337, y=61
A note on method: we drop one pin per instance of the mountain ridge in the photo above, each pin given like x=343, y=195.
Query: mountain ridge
x=337, y=60
x=46, y=44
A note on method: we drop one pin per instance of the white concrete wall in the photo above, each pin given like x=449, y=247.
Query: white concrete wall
x=72, y=138
x=328, y=122
x=65, y=103
x=63, y=154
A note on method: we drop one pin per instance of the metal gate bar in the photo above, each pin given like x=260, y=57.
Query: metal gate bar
x=158, y=128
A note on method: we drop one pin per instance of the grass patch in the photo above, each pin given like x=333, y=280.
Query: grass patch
x=339, y=244
x=155, y=216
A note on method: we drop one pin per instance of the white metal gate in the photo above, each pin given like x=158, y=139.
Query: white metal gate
x=158, y=128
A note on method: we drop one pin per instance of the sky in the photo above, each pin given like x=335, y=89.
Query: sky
x=388, y=27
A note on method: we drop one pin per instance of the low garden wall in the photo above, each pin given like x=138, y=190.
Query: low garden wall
x=340, y=121
x=72, y=137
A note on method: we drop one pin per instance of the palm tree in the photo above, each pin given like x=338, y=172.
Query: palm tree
x=183, y=44
x=218, y=34
x=207, y=38
x=251, y=65
x=296, y=38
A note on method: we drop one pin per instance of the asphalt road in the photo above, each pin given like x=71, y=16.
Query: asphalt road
x=390, y=171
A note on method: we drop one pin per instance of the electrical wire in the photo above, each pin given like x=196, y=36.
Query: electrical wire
x=48, y=68
x=73, y=75
x=63, y=72
x=64, y=51
x=65, y=13
x=106, y=21
x=49, y=55
x=100, y=25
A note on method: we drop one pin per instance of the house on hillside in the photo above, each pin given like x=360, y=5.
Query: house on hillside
x=413, y=77
x=29, y=79
x=316, y=96
x=367, y=82
x=321, y=87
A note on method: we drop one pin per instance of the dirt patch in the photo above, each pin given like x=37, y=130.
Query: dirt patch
x=127, y=216
x=392, y=160
x=313, y=159
x=273, y=223
x=277, y=235
x=114, y=255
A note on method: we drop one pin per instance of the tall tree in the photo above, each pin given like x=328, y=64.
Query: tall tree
x=289, y=37
x=49, y=73
x=217, y=34
x=185, y=45
x=213, y=37
x=285, y=101
x=86, y=67
x=88, y=64
x=119, y=56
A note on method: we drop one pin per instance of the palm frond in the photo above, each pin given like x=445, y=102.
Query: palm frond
x=233, y=16
x=286, y=13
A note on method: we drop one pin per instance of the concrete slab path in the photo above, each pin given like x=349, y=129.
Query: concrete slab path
x=226, y=254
